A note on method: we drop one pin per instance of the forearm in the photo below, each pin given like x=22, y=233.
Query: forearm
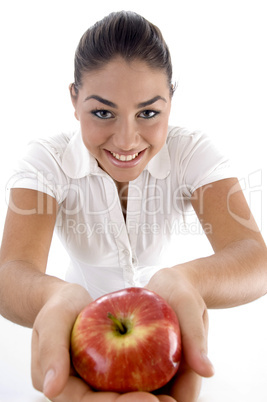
x=233, y=276
x=24, y=290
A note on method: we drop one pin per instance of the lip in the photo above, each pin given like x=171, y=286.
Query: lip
x=125, y=164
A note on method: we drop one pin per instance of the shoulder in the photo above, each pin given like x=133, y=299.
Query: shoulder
x=54, y=146
x=195, y=158
x=184, y=135
x=39, y=167
x=183, y=143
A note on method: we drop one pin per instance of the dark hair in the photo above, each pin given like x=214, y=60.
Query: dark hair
x=124, y=34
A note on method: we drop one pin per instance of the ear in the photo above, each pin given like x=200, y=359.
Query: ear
x=74, y=98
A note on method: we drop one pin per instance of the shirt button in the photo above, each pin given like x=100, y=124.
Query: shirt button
x=126, y=252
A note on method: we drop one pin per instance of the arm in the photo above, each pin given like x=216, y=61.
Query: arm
x=235, y=274
x=30, y=297
x=24, y=252
x=237, y=271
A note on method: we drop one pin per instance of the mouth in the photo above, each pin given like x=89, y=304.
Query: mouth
x=125, y=158
x=124, y=161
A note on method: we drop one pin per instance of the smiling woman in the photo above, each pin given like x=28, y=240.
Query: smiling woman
x=118, y=191
x=126, y=136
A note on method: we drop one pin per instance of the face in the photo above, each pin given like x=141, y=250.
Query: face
x=123, y=111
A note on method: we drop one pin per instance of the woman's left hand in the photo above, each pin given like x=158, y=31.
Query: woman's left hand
x=191, y=310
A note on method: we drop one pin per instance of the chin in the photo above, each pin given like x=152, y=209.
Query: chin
x=125, y=177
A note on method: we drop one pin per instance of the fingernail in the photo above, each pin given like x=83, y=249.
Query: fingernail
x=47, y=381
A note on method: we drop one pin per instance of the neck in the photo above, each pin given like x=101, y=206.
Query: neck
x=123, y=195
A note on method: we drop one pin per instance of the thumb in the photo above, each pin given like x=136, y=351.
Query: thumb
x=56, y=374
x=193, y=317
x=50, y=352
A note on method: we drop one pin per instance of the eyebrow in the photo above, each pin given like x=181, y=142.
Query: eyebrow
x=151, y=101
x=102, y=100
x=113, y=105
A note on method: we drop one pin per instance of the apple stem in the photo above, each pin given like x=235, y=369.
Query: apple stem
x=119, y=325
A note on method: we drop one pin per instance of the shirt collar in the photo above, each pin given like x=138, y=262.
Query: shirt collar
x=78, y=162
x=160, y=165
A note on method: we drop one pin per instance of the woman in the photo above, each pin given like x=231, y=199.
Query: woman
x=115, y=191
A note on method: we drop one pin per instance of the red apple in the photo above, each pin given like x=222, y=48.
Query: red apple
x=125, y=341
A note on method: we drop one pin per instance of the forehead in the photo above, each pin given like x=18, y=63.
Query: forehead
x=133, y=77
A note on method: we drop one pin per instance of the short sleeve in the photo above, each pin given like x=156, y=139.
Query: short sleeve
x=198, y=162
x=38, y=169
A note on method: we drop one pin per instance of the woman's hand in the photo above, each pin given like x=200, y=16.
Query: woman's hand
x=51, y=338
x=51, y=367
x=192, y=314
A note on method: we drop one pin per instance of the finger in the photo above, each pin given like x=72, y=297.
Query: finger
x=50, y=352
x=193, y=318
x=194, y=341
x=165, y=398
x=187, y=386
x=143, y=397
x=77, y=390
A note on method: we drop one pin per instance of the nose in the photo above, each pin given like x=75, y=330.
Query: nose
x=126, y=136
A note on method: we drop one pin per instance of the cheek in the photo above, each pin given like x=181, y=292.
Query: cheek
x=92, y=134
x=156, y=135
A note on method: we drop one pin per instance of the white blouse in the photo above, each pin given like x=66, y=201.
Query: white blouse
x=107, y=253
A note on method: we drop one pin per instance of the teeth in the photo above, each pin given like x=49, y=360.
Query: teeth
x=124, y=157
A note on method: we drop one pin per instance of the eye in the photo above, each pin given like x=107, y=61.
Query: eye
x=148, y=114
x=102, y=114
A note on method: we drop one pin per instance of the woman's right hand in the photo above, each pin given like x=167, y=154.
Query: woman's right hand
x=52, y=373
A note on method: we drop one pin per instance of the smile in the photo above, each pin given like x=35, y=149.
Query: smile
x=124, y=158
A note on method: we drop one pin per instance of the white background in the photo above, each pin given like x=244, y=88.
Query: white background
x=219, y=56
